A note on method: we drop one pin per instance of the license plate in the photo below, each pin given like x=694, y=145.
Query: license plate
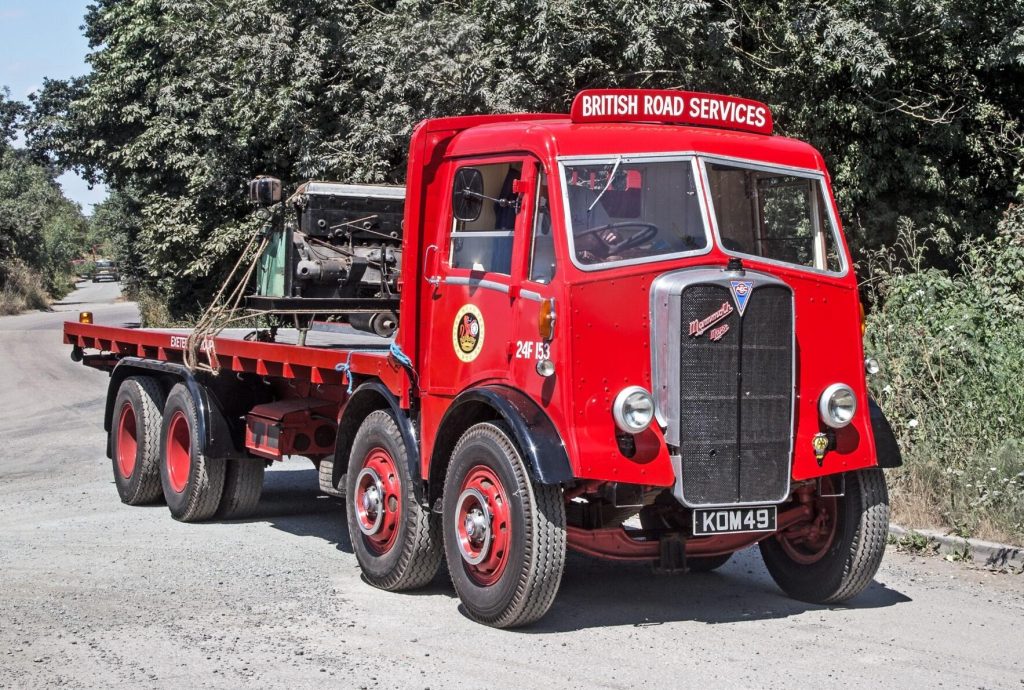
x=733, y=520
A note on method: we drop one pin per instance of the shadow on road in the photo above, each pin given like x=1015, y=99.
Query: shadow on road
x=291, y=502
x=594, y=593
x=597, y=593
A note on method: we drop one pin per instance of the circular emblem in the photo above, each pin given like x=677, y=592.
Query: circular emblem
x=468, y=333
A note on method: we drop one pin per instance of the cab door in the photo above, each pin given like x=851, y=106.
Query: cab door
x=477, y=272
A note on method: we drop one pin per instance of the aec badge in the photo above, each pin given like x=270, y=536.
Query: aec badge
x=468, y=333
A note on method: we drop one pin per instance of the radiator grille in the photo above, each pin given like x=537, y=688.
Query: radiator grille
x=735, y=396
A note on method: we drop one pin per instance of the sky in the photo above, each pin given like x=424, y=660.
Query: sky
x=43, y=38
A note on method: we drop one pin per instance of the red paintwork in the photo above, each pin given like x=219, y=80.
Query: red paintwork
x=495, y=554
x=289, y=427
x=178, y=452
x=617, y=543
x=274, y=360
x=602, y=329
x=127, y=442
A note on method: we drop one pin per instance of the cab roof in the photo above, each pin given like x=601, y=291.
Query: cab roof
x=558, y=136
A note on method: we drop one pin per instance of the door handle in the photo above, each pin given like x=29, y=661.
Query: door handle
x=435, y=279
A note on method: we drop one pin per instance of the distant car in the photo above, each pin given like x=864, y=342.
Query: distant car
x=104, y=269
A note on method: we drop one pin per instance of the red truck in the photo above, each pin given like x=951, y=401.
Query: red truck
x=633, y=331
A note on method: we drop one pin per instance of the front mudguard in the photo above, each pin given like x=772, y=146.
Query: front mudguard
x=887, y=449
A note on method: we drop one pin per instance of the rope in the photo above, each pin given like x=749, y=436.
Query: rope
x=346, y=369
x=348, y=376
x=219, y=314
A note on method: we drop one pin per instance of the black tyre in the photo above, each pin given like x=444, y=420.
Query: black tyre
x=396, y=540
x=135, y=440
x=325, y=476
x=192, y=483
x=839, y=558
x=243, y=484
x=656, y=517
x=504, y=535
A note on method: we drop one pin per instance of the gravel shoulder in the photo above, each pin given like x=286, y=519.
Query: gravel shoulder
x=98, y=594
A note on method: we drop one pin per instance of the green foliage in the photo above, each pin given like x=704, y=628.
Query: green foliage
x=40, y=230
x=20, y=288
x=952, y=353
x=916, y=106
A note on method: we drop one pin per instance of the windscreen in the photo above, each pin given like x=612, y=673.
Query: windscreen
x=633, y=211
x=773, y=215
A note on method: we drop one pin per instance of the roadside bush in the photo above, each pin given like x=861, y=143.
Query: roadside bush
x=20, y=288
x=951, y=346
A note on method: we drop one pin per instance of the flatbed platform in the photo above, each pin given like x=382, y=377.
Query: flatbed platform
x=316, y=361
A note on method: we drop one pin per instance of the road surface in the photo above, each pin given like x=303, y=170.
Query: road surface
x=98, y=594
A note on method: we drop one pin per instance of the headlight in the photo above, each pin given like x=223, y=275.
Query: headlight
x=837, y=406
x=633, y=409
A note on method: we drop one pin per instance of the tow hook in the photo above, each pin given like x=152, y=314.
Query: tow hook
x=671, y=555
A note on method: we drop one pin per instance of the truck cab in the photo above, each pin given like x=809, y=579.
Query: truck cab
x=656, y=293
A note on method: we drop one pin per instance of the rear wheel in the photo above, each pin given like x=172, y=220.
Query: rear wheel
x=243, y=484
x=833, y=557
x=395, y=539
x=192, y=482
x=135, y=440
x=504, y=535
x=325, y=475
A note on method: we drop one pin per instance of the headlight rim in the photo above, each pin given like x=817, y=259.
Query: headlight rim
x=826, y=398
x=619, y=412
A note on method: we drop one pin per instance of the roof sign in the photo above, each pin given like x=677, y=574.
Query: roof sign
x=672, y=107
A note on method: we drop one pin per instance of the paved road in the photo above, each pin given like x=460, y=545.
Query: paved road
x=94, y=593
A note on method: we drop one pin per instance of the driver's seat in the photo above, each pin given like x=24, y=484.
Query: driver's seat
x=580, y=199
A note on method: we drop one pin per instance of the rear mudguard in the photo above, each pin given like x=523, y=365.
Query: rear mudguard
x=214, y=430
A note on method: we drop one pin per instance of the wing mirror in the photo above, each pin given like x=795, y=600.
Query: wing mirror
x=468, y=195
x=265, y=191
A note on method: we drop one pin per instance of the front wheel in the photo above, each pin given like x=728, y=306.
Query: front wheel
x=834, y=557
x=504, y=534
x=395, y=539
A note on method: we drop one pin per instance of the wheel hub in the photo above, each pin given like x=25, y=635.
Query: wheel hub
x=482, y=524
x=475, y=537
x=370, y=500
x=377, y=500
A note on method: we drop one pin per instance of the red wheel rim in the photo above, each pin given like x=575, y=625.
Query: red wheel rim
x=483, y=525
x=378, y=501
x=808, y=542
x=127, y=441
x=179, y=452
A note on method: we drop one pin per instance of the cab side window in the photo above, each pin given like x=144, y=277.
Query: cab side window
x=542, y=261
x=485, y=244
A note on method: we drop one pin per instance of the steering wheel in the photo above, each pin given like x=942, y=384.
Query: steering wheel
x=642, y=232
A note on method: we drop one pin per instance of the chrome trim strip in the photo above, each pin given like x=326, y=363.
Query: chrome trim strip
x=796, y=172
x=482, y=233
x=666, y=334
x=476, y=283
x=531, y=295
x=642, y=158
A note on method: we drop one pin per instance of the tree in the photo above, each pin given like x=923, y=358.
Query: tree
x=40, y=229
x=916, y=106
